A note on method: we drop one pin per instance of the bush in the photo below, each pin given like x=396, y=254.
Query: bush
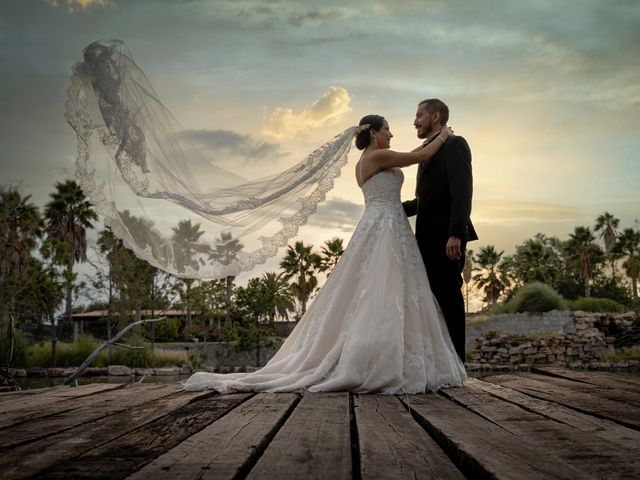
x=599, y=305
x=13, y=349
x=535, y=297
x=139, y=357
x=67, y=354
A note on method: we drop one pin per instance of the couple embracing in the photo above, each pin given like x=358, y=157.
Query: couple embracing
x=390, y=318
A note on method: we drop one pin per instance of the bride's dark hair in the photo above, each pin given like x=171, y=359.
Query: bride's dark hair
x=363, y=139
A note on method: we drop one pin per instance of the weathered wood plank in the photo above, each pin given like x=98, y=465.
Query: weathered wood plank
x=228, y=446
x=105, y=405
x=580, y=397
x=314, y=442
x=394, y=445
x=33, y=457
x=482, y=449
x=55, y=395
x=599, y=379
x=591, y=455
x=38, y=411
x=171, y=421
x=590, y=426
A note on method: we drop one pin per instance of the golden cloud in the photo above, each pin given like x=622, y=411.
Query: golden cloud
x=82, y=4
x=327, y=110
x=514, y=211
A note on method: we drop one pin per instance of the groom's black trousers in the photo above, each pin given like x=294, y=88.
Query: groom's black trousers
x=445, y=278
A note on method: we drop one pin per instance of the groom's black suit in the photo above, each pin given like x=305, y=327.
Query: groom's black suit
x=442, y=207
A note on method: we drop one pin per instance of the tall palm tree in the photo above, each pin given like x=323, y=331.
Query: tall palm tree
x=606, y=225
x=68, y=217
x=629, y=245
x=330, y=254
x=467, y=272
x=491, y=279
x=186, y=238
x=582, y=249
x=225, y=252
x=20, y=229
x=278, y=297
x=301, y=264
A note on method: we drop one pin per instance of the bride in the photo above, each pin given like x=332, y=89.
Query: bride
x=375, y=326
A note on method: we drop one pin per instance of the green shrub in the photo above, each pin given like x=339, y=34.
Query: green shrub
x=599, y=305
x=536, y=297
x=139, y=357
x=67, y=354
x=13, y=349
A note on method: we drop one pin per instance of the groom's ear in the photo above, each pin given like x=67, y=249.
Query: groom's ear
x=436, y=117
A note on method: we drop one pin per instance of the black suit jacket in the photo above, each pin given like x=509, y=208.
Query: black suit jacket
x=444, y=190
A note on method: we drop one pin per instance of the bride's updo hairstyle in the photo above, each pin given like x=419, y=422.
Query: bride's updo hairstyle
x=363, y=139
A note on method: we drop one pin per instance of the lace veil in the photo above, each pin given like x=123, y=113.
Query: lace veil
x=167, y=202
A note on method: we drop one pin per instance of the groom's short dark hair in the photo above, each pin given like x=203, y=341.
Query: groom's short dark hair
x=435, y=105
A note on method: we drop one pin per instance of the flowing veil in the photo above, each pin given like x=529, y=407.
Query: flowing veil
x=168, y=203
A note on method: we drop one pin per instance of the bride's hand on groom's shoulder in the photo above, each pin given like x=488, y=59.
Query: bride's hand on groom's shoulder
x=446, y=131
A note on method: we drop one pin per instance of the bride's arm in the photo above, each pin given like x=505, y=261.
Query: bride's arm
x=389, y=159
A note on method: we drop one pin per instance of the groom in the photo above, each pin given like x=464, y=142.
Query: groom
x=442, y=207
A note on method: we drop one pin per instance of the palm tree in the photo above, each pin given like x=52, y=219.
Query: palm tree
x=68, y=216
x=330, y=254
x=491, y=278
x=225, y=252
x=277, y=295
x=186, y=242
x=466, y=276
x=301, y=263
x=607, y=224
x=20, y=229
x=582, y=249
x=629, y=245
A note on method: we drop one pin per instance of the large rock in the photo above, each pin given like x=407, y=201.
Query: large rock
x=119, y=370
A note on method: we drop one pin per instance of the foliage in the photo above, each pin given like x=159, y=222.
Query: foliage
x=594, y=304
x=196, y=358
x=13, y=348
x=300, y=264
x=535, y=297
x=583, y=255
x=67, y=354
x=330, y=254
x=492, y=279
x=140, y=356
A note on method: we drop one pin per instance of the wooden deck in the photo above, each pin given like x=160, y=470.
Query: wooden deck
x=552, y=423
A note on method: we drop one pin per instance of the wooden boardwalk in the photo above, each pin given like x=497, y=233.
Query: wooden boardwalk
x=551, y=423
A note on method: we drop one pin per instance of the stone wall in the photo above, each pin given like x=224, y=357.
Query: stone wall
x=554, y=322
x=591, y=338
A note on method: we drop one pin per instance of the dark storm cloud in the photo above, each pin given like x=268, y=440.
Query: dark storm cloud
x=225, y=142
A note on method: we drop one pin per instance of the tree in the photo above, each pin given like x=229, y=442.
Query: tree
x=491, y=279
x=301, y=264
x=68, y=216
x=330, y=254
x=225, y=252
x=607, y=224
x=628, y=244
x=186, y=238
x=585, y=254
x=537, y=259
x=20, y=229
x=277, y=294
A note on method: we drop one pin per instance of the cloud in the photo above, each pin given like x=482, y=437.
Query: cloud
x=314, y=15
x=228, y=143
x=72, y=5
x=337, y=214
x=514, y=211
x=283, y=122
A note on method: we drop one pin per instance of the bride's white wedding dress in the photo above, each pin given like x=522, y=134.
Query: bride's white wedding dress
x=375, y=326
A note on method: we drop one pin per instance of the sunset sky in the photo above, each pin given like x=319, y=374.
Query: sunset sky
x=547, y=93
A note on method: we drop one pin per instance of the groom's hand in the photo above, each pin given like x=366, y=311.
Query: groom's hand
x=453, y=248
